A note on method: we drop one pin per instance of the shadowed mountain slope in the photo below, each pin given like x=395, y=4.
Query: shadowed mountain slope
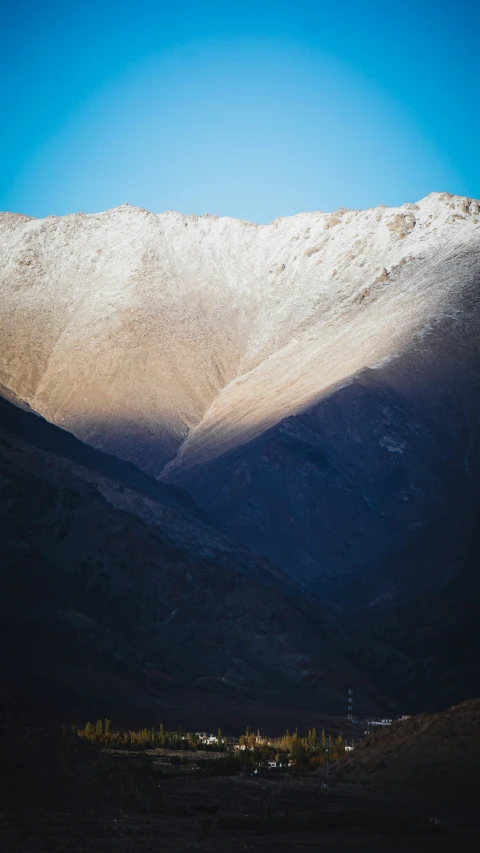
x=18, y=418
x=382, y=466
x=117, y=601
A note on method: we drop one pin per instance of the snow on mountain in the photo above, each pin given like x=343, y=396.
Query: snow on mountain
x=314, y=384
x=170, y=339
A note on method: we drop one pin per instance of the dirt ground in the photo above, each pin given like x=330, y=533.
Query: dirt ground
x=222, y=814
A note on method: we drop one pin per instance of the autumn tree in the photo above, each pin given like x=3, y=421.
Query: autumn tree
x=299, y=753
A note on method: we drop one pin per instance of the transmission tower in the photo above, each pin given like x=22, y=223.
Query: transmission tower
x=350, y=703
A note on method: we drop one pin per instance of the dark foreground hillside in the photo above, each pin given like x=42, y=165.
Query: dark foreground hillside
x=411, y=789
x=434, y=756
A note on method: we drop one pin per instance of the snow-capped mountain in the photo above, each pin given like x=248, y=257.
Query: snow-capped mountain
x=171, y=339
x=313, y=383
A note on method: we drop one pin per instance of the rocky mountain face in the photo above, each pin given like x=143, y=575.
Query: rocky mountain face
x=172, y=339
x=313, y=384
x=119, y=598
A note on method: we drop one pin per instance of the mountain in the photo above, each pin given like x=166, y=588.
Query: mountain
x=313, y=384
x=172, y=339
x=118, y=598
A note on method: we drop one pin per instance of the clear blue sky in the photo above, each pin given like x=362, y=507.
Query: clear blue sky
x=249, y=109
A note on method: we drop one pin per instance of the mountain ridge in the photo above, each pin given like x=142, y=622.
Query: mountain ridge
x=204, y=332
x=313, y=384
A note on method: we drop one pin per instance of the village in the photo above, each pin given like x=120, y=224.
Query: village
x=252, y=752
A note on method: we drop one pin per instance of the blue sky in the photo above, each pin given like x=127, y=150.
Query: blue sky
x=253, y=109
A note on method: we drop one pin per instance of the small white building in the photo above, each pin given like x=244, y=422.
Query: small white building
x=212, y=739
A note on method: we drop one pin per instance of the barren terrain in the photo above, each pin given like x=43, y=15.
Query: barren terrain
x=172, y=339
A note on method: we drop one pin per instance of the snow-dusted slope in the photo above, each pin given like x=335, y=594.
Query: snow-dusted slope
x=171, y=339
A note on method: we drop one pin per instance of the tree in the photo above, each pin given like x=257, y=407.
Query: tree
x=108, y=726
x=299, y=753
x=99, y=728
x=323, y=739
x=219, y=737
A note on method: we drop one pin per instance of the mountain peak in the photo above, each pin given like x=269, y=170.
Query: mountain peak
x=170, y=339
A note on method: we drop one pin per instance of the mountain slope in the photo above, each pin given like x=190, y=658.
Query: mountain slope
x=173, y=339
x=332, y=494
x=431, y=756
x=119, y=602
x=314, y=384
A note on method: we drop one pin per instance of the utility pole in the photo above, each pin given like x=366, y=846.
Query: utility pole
x=327, y=769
